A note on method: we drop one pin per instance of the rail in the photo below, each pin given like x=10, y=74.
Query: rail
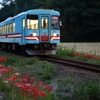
x=81, y=64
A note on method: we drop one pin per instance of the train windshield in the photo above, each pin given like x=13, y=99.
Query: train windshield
x=55, y=23
x=32, y=21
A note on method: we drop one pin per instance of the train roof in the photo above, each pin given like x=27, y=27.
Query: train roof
x=35, y=11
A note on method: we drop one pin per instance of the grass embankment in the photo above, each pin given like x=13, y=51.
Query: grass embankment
x=67, y=88
x=72, y=54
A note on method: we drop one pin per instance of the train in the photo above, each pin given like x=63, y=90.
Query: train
x=36, y=32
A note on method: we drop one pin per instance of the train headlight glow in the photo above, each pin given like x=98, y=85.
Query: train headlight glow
x=33, y=34
x=54, y=34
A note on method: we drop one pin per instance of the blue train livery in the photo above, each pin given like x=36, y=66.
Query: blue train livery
x=35, y=32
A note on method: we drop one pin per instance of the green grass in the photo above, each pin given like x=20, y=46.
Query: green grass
x=67, y=88
x=63, y=53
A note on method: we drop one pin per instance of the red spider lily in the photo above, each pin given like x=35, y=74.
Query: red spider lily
x=2, y=66
x=71, y=54
x=13, y=78
x=4, y=70
x=16, y=84
x=35, y=97
x=40, y=82
x=36, y=85
x=27, y=76
x=3, y=59
x=11, y=70
x=34, y=90
x=77, y=54
x=43, y=93
x=87, y=56
x=95, y=57
x=5, y=78
x=37, y=93
x=28, y=90
x=27, y=79
x=27, y=85
x=46, y=86
x=25, y=95
x=24, y=80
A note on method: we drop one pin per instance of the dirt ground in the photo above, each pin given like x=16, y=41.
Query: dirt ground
x=90, y=48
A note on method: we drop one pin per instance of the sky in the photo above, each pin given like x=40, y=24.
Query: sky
x=0, y=5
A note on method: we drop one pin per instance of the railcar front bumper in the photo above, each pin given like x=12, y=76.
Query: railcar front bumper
x=46, y=52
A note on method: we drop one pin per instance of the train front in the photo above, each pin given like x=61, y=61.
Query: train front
x=43, y=32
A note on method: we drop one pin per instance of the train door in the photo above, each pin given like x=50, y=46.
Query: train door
x=44, y=28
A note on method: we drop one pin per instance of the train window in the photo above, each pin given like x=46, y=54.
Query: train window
x=0, y=30
x=32, y=21
x=3, y=30
x=23, y=23
x=44, y=23
x=13, y=27
x=7, y=28
x=55, y=23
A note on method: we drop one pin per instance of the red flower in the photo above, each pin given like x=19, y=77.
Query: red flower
x=35, y=90
x=43, y=93
x=3, y=59
x=95, y=57
x=77, y=54
x=27, y=85
x=2, y=66
x=35, y=97
x=11, y=79
x=4, y=70
x=24, y=80
x=40, y=82
x=37, y=93
x=28, y=90
x=26, y=95
x=71, y=54
x=49, y=90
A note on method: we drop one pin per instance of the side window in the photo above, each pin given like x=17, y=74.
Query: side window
x=23, y=24
x=13, y=27
x=7, y=28
x=0, y=30
x=3, y=30
x=32, y=21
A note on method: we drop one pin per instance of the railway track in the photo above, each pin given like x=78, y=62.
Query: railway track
x=75, y=63
x=80, y=64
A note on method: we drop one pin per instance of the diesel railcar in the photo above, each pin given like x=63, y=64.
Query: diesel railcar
x=35, y=32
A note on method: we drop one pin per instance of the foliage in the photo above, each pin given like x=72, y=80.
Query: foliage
x=72, y=54
x=23, y=87
x=80, y=18
x=48, y=72
x=92, y=90
x=67, y=88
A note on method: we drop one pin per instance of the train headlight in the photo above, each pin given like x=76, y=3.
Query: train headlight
x=33, y=34
x=54, y=34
